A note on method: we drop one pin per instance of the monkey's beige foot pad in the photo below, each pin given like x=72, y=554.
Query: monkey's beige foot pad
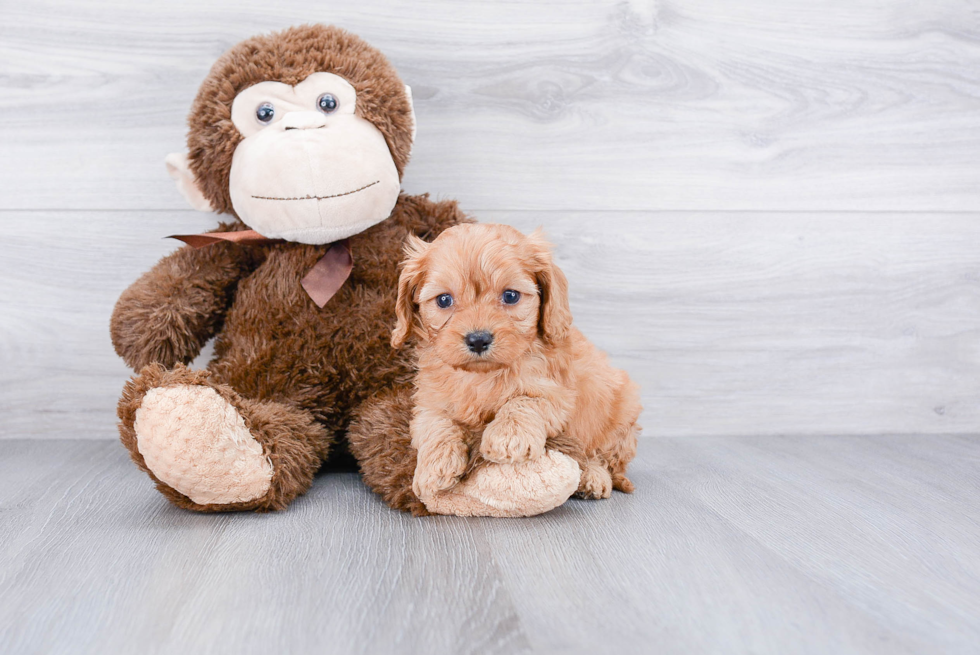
x=196, y=441
x=503, y=490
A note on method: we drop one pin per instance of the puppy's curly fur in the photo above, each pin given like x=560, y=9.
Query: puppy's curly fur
x=537, y=379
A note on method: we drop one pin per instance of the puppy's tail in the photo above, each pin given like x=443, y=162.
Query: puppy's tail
x=622, y=483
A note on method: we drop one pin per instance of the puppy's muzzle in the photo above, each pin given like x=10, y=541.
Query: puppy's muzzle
x=479, y=341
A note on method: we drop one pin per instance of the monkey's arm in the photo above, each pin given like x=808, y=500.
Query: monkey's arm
x=169, y=313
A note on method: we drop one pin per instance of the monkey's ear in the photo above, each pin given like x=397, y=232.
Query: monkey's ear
x=411, y=108
x=180, y=171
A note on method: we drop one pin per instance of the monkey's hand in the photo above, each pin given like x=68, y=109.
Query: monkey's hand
x=169, y=313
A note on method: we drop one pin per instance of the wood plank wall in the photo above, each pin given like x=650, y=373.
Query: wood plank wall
x=769, y=213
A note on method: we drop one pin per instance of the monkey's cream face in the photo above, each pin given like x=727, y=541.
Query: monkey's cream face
x=309, y=169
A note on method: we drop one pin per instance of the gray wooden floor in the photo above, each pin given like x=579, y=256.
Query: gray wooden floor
x=730, y=545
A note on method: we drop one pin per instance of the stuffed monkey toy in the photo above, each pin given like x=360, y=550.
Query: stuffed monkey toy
x=301, y=137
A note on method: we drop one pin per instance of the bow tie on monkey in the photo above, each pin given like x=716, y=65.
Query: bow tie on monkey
x=297, y=160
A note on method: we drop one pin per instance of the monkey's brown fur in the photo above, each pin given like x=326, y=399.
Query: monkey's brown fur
x=303, y=378
x=278, y=354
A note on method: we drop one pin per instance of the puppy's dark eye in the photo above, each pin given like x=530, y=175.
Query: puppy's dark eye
x=327, y=103
x=444, y=301
x=510, y=297
x=265, y=112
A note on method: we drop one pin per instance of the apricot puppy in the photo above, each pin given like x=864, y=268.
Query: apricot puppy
x=500, y=365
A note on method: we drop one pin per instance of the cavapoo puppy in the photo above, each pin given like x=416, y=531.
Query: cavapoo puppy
x=500, y=367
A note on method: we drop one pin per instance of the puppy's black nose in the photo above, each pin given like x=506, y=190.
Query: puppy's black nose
x=477, y=342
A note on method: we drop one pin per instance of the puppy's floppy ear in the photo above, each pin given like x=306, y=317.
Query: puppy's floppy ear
x=413, y=270
x=555, y=316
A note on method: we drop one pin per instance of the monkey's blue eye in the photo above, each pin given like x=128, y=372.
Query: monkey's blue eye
x=265, y=112
x=444, y=301
x=327, y=103
x=510, y=297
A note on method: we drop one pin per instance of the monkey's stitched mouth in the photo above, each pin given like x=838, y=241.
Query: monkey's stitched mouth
x=336, y=195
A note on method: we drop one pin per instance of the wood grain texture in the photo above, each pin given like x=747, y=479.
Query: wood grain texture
x=745, y=323
x=764, y=545
x=564, y=105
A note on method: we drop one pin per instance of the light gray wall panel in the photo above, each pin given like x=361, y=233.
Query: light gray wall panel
x=694, y=104
x=723, y=182
x=743, y=323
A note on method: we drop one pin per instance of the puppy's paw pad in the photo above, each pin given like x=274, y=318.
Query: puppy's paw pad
x=509, y=442
x=596, y=483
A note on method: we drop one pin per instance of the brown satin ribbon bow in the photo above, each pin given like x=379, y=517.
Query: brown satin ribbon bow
x=321, y=283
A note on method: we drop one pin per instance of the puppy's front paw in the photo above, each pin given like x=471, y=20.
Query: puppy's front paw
x=507, y=440
x=596, y=482
x=439, y=468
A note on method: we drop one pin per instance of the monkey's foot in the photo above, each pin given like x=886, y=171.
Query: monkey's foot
x=210, y=449
x=196, y=442
x=503, y=490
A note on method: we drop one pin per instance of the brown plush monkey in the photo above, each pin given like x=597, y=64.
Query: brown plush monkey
x=302, y=136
